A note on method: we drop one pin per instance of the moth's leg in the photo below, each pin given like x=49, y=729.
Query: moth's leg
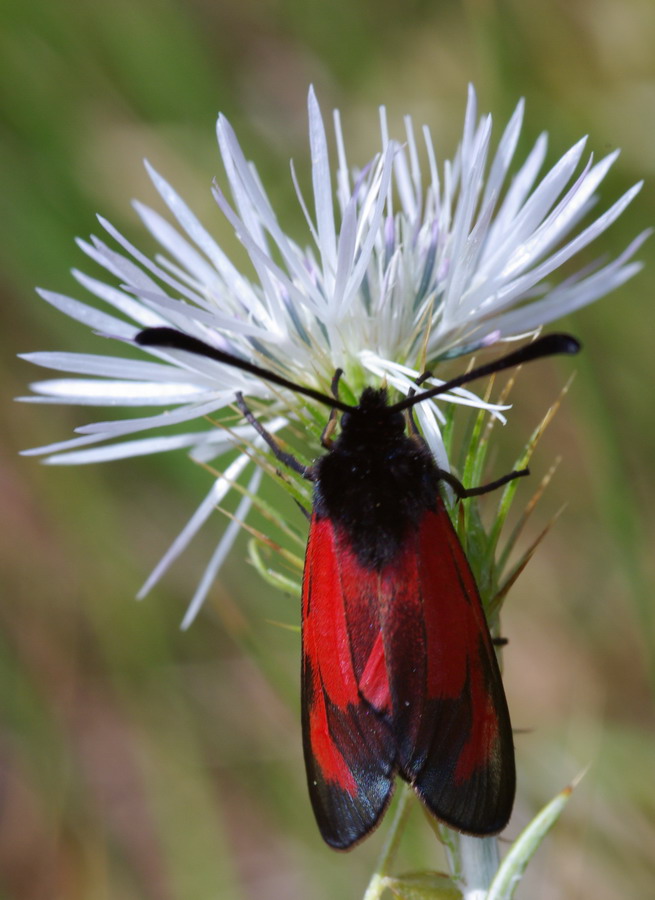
x=330, y=425
x=463, y=492
x=287, y=458
x=457, y=486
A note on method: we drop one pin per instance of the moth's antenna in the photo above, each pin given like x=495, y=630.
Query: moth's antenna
x=548, y=345
x=170, y=338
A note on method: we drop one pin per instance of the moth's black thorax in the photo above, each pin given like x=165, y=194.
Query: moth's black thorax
x=376, y=482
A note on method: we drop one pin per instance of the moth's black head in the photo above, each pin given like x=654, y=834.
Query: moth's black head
x=372, y=415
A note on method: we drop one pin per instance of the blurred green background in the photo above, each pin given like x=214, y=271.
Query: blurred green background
x=137, y=761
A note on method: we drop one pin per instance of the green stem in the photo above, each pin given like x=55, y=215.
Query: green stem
x=377, y=884
x=479, y=859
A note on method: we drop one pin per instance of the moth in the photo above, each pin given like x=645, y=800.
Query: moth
x=399, y=672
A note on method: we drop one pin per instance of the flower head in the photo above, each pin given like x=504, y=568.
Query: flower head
x=416, y=267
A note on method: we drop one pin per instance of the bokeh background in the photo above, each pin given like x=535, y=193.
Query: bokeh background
x=143, y=763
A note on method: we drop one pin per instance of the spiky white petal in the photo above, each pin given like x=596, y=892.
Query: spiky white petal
x=401, y=266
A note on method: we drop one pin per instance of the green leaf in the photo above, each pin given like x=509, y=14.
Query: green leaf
x=497, y=601
x=508, y=493
x=423, y=886
x=525, y=846
x=524, y=517
x=272, y=576
x=476, y=457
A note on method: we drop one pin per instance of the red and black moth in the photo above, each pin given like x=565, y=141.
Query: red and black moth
x=399, y=672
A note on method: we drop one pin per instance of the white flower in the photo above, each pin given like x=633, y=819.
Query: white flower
x=404, y=274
